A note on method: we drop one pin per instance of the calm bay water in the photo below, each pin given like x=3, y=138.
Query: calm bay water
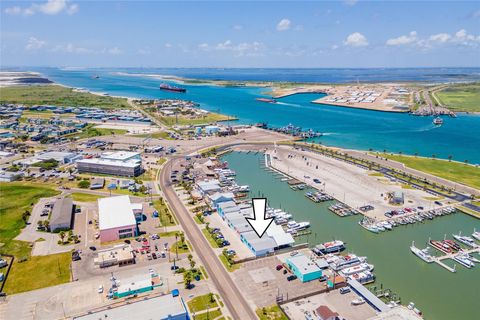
x=343, y=127
x=440, y=294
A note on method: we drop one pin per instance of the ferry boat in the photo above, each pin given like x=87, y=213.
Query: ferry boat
x=438, y=121
x=421, y=253
x=441, y=246
x=266, y=100
x=465, y=240
x=167, y=87
x=476, y=234
x=464, y=261
x=363, y=277
x=329, y=247
x=357, y=269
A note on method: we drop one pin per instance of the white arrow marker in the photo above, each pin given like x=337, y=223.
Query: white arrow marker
x=261, y=224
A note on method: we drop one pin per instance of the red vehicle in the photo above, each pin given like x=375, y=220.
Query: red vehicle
x=279, y=267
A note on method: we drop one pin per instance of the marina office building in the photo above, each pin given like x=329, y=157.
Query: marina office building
x=120, y=163
x=116, y=218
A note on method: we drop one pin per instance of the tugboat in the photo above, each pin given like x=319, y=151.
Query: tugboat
x=438, y=121
x=167, y=87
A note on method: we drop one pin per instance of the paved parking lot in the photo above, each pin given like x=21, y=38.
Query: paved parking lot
x=261, y=283
x=337, y=302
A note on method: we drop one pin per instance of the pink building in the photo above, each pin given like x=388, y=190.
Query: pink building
x=116, y=218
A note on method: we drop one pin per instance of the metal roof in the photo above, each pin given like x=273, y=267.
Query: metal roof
x=115, y=212
x=62, y=212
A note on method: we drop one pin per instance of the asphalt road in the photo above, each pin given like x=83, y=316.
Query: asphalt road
x=236, y=303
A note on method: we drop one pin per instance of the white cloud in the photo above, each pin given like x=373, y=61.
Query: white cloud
x=51, y=7
x=284, y=24
x=350, y=2
x=168, y=45
x=114, y=51
x=440, y=38
x=403, y=40
x=71, y=48
x=356, y=39
x=237, y=27
x=241, y=49
x=144, y=51
x=334, y=47
x=34, y=44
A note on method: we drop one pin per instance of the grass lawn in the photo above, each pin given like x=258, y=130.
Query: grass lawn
x=271, y=313
x=210, y=239
x=15, y=198
x=90, y=131
x=182, y=248
x=461, y=97
x=168, y=234
x=38, y=272
x=212, y=314
x=454, y=171
x=155, y=135
x=209, y=118
x=164, y=215
x=202, y=302
x=228, y=266
x=58, y=95
x=85, y=197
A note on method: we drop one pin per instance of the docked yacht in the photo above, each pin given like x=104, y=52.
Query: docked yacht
x=476, y=234
x=329, y=247
x=294, y=227
x=464, y=261
x=346, y=261
x=465, y=240
x=357, y=269
x=421, y=253
x=363, y=277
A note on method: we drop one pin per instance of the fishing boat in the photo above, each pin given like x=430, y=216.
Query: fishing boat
x=464, y=261
x=358, y=301
x=441, y=246
x=421, y=253
x=465, y=240
x=167, y=87
x=438, y=121
x=329, y=247
x=476, y=234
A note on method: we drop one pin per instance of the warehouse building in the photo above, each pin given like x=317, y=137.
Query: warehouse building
x=60, y=157
x=164, y=307
x=116, y=218
x=62, y=215
x=116, y=163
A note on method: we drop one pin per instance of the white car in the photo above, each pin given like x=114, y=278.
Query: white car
x=100, y=289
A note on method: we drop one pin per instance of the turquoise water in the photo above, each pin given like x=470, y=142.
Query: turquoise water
x=344, y=127
x=440, y=294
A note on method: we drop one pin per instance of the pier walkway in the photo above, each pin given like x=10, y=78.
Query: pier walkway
x=439, y=260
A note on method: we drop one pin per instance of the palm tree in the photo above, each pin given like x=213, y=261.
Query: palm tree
x=62, y=235
x=450, y=157
x=416, y=154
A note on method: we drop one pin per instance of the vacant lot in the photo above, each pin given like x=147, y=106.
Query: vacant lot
x=461, y=97
x=451, y=170
x=58, y=95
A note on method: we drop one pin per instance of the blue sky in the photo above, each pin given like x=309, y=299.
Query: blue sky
x=240, y=34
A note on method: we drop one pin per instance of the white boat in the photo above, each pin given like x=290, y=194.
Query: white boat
x=328, y=247
x=297, y=226
x=472, y=258
x=386, y=225
x=369, y=227
x=464, y=261
x=356, y=269
x=244, y=188
x=346, y=261
x=476, y=234
x=437, y=121
x=465, y=240
x=358, y=301
x=421, y=253
x=363, y=277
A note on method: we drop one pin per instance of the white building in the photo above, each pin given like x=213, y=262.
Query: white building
x=116, y=218
x=121, y=163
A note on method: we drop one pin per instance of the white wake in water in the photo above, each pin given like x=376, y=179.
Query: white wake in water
x=289, y=104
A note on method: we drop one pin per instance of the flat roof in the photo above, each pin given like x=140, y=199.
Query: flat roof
x=128, y=164
x=303, y=264
x=367, y=295
x=55, y=155
x=281, y=237
x=149, y=308
x=119, y=155
x=62, y=211
x=115, y=212
x=263, y=243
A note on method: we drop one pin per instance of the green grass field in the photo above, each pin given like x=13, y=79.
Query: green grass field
x=85, y=197
x=166, y=220
x=15, y=198
x=58, y=95
x=271, y=313
x=90, y=131
x=228, y=266
x=209, y=118
x=451, y=170
x=202, y=303
x=461, y=97
x=38, y=272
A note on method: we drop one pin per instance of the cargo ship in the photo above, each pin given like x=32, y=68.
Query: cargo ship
x=266, y=100
x=167, y=87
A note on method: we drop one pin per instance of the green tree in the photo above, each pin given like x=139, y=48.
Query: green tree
x=84, y=184
x=62, y=236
